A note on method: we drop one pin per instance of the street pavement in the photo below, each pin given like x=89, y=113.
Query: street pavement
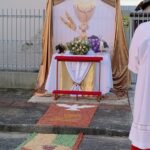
x=108, y=130
x=9, y=141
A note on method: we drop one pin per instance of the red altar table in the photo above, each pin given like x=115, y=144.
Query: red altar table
x=96, y=59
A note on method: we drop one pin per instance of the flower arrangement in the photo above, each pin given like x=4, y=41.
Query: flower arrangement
x=60, y=48
x=78, y=46
x=94, y=43
x=97, y=44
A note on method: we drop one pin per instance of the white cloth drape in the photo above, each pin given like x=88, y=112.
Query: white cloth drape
x=51, y=79
x=139, y=62
x=77, y=72
x=106, y=81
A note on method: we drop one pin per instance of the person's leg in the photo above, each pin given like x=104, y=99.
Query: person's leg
x=134, y=148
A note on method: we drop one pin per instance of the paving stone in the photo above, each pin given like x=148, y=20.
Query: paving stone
x=21, y=115
x=111, y=118
x=104, y=143
x=9, y=141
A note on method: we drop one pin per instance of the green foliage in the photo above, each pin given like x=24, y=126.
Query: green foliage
x=126, y=21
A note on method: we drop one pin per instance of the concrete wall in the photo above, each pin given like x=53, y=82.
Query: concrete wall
x=22, y=4
x=12, y=79
x=23, y=80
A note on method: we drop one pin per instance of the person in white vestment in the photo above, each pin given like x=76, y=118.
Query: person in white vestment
x=139, y=63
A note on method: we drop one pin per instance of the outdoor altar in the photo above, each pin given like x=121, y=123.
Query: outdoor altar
x=83, y=53
x=80, y=75
x=81, y=72
x=97, y=26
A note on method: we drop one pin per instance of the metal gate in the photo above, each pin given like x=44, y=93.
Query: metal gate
x=20, y=39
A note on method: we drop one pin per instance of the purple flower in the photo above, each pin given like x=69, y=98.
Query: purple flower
x=94, y=42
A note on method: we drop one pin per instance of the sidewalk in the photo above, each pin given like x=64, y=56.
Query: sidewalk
x=109, y=127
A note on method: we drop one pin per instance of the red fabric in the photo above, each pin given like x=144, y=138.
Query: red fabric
x=79, y=58
x=97, y=93
x=136, y=148
x=78, y=141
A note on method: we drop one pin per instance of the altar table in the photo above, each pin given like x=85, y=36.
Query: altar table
x=106, y=82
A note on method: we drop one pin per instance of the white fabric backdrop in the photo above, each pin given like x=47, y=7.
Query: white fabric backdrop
x=101, y=24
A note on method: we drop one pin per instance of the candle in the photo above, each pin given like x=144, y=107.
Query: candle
x=101, y=45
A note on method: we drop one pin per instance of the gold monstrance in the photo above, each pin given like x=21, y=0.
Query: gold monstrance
x=84, y=10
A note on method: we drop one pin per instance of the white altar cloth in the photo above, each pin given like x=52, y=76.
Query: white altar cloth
x=106, y=82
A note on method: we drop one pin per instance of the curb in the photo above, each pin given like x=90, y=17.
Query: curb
x=26, y=128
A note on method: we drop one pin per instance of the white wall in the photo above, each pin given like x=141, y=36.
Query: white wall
x=21, y=4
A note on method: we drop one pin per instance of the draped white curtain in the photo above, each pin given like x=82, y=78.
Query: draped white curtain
x=77, y=72
x=101, y=24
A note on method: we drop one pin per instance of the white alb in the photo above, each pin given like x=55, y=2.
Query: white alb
x=139, y=62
